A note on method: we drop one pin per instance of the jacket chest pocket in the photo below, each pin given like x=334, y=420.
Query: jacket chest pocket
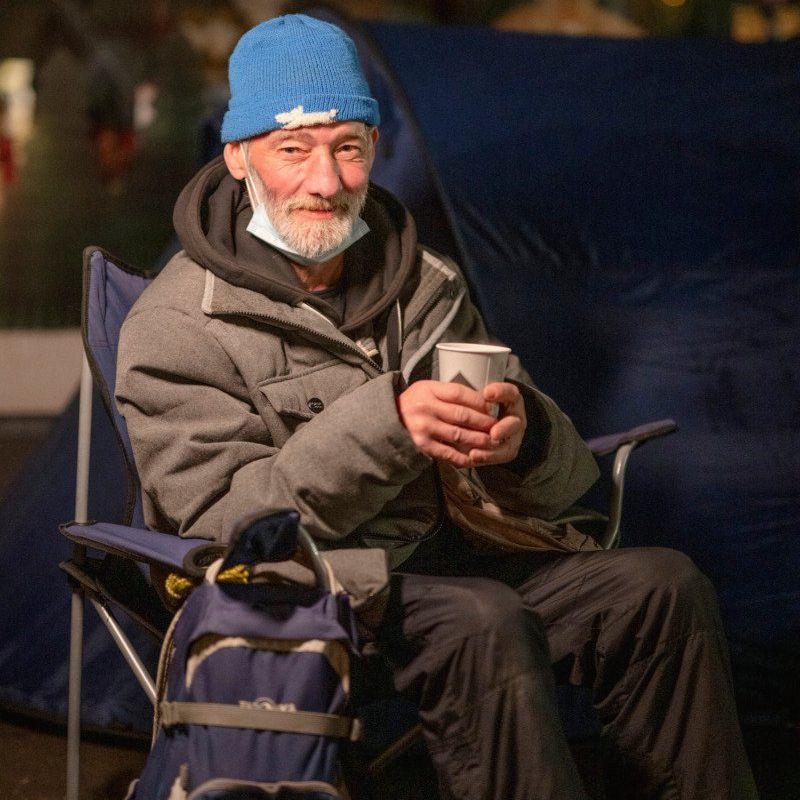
x=299, y=397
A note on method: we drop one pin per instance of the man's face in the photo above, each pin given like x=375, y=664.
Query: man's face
x=313, y=181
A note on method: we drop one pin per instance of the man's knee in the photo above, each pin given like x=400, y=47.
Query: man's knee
x=479, y=604
x=492, y=633
x=671, y=580
x=480, y=615
x=662, y=568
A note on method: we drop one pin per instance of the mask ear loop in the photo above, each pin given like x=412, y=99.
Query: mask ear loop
x=248, y=181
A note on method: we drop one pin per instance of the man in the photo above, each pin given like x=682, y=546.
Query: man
x=285, y=359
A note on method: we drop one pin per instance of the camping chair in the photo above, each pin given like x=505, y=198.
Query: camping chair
x=114, y=579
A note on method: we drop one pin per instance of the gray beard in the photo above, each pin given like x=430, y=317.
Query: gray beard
x=312, y=238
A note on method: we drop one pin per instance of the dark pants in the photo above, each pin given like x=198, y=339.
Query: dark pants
x=478, y=641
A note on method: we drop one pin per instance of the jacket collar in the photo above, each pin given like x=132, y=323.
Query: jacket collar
x=223, y=299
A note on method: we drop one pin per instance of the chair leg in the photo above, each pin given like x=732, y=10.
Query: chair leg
x=127, y=650
x=396, y=749
x=78, y=597
x=74, y=696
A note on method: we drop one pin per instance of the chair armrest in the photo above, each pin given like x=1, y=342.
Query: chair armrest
x=623, y=444
x=149, y=547
x=603, y=445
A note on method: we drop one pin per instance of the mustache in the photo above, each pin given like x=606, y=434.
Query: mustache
x=341, y=202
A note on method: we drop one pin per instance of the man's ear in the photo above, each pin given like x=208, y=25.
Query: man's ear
x=373, y=135
x=233, y=153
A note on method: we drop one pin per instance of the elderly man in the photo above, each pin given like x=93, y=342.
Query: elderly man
x=285, y=357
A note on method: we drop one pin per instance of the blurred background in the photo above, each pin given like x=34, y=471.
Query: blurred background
x=101, y=105
x=107, y=109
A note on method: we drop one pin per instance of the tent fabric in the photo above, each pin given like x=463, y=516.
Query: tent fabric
x=630, y=212
x=627, y=214
x=34, y=626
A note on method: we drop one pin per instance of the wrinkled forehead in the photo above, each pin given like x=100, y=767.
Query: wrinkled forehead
x=316, y=134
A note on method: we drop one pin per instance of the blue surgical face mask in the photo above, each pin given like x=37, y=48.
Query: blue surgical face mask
x=262, y=228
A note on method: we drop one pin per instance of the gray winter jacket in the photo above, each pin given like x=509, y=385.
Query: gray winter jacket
x=245, y=393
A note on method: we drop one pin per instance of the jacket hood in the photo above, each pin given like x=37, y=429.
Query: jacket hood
x=211, y=218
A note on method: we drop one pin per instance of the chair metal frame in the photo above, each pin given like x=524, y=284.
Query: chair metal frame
x=80, y=594
x=85, y=587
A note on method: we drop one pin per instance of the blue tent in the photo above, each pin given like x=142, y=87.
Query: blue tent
x=630, y=215
x=627, y=212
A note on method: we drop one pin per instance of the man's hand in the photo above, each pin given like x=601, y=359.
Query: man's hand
x=450, y=422
x=507, y=432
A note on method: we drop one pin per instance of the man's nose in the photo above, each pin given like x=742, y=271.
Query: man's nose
x=322, y=176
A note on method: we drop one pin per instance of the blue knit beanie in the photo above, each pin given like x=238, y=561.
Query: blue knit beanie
x=293, y=71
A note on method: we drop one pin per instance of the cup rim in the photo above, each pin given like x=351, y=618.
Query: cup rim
x=473, y=347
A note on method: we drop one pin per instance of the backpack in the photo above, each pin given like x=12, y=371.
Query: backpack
x=254, y=681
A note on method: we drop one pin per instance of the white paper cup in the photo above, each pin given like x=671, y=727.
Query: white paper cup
x=473, y=365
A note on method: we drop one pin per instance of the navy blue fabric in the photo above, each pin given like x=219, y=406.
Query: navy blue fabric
x=110, y=292
x=34, y=625
x=630, y=215
x=140, y=544
x=270, y=538
x=253, y=675
x=33, y=659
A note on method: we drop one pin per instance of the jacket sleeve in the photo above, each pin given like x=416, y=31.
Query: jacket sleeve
x=204, y=455
x=554, y=467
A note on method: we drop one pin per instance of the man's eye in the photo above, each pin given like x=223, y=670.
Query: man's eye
x=290, y=151
x=349, y=150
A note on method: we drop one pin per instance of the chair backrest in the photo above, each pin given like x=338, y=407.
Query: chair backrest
x=110, y=288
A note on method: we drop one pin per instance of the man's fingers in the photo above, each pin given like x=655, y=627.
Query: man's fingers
x=504, y=393
x=505, y=437
x=505, y=428
x=449, y=422
x=464, y=416
x=499, y=392
x=442, y=452
x=499, y=455
x=460, y=438
x=460, y=395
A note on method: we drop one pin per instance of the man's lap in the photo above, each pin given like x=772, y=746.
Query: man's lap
x=448, y=589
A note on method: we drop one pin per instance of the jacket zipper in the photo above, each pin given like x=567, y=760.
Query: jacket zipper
x=436, y=527
x=314, y=335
